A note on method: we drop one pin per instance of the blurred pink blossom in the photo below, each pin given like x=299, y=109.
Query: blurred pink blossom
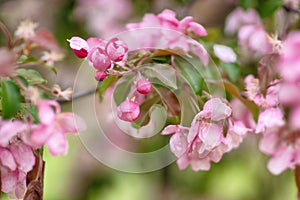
x=172, y=33
x=53, y=127
x=16, y=158
x=224, y=53
x=289, y=61
x=103, y=17
x=254, y=38
x=284, y=147
x=240, y=17
x=26, y=30
x=270, y=118
x=7, y=62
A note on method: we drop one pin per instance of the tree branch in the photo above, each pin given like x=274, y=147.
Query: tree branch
x=78, y=95
x=6, y=34
x=297, y=179
x=290, y=9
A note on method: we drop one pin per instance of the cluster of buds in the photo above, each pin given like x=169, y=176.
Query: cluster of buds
x=101, y=54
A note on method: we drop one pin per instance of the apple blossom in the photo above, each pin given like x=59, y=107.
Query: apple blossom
x=143, y=86
x=79, y=46
x=100, y=75
x=128, y=111
x=224, y=53
x=53, y=127
x=116, y=49
x=99, y=59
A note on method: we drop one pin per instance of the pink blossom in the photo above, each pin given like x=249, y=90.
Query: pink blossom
x=53, y=127
x=241, y=113
x=255, y=39
x=79, y=46
x=204, y=141
x=16, y=158
x=287, y=94
x=116, y=49
x=99, y=59
x=100, y=75
x=143, y=86
x=7, y=62
x=198, y=29
x=168, y=19
x=236, y=133
x=239, y=17
x=13, y=182
x=95, y=42
x=284, y=147
x=289, y=61
x=269, y=118
x=178, y=141
x=224, y=53
x=217, y=110
x=128, y=111
x=26, y=30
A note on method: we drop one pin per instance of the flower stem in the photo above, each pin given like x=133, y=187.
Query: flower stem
x=297, y=179
x=6, y=34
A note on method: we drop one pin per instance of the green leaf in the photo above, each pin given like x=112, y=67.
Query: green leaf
x=190, y=73
x=25, y=59
x=166, y=74
x=123, y=89
x=32, y=76
x=11, y=99
x=145, y=108
x=105, y=84
x=247, y=3
x=268, y=7
x=232, y=69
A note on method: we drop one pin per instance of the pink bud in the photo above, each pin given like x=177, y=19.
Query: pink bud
x=100, y=76
x=128, y=111
x=116, y=49
x=99, y=59
x=143, y=86
x=79, y=46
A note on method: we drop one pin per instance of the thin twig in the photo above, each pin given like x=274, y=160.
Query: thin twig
x=78, y=95
x=6, y=34
x=290, y=9
x=297, y=179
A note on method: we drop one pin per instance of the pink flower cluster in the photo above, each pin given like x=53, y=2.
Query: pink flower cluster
x=281, y=138
x=100, y=54
x=19, y=139
x=166, y=31
x=251, y=33
x=212, y=133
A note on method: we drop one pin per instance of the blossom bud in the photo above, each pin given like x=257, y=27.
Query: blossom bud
x=79, y=47
x=116, y=49
x=128, y=111
x=100, y=76
x=99, y=59
x=143, y=86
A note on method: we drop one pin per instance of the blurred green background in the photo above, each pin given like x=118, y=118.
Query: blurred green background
x=241, y=174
